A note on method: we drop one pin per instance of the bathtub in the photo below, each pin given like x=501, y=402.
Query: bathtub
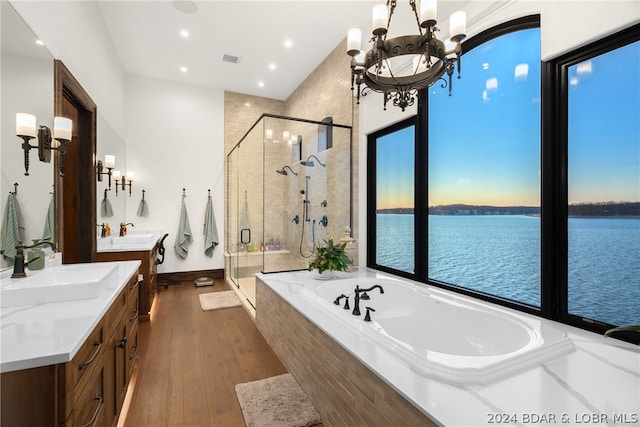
x=438, y=334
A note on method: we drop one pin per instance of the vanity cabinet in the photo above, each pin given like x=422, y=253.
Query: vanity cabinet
x=90, y=389
x=148, y=269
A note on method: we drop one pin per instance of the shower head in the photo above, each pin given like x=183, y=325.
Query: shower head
x=284, y=172
x=310, y=163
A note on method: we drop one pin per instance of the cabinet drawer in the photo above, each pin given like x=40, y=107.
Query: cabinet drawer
x=118, y=305
x=133, y=311
x=132, y=348
x=134, y=287
x=87, y=357
x=89, y=407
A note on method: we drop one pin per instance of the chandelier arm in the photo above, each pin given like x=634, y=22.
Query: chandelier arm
x=415, y=13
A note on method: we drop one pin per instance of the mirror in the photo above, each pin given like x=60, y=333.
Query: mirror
x=109, y=143
x=26, y=87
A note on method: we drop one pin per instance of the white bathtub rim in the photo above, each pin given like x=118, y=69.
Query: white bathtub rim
x=492, y=369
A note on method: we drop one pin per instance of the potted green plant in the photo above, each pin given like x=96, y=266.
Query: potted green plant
x=329, y=258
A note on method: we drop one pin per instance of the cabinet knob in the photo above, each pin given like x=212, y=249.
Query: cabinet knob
x=122, y=343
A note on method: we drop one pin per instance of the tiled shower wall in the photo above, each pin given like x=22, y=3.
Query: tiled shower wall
x=325, y=93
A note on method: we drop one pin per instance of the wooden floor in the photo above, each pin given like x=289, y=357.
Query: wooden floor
x=191, y=360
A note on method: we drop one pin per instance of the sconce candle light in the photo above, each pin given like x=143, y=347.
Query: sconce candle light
x=123, y=181
x=26, y=129
x=109, y=164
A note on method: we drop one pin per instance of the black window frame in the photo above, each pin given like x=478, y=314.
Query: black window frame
x=553, y=185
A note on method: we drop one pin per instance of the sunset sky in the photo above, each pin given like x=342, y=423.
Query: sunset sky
x=485, y=138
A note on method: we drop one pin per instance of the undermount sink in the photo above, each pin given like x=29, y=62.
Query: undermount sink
x=64, y=283
x=133, y=238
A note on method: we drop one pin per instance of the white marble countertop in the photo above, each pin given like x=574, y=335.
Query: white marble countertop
x=115, y=243
x=597, y=384
x=45, y=334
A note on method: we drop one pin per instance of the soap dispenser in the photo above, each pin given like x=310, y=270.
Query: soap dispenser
x=35, y=257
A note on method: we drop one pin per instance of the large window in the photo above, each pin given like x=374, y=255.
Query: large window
x=531, y=194
x=394, y=153
x=604, y=186
x=484, y=174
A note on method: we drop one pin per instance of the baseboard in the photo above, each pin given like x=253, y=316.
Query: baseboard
x=178, y=277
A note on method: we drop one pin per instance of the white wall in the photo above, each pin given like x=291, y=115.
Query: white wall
x=175, y=140
x=565, y=25
x=75, y=33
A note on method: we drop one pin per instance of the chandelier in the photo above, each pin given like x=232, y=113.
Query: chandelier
x=399, y=67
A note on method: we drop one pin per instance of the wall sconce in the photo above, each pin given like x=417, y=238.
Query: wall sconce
x=26, y=129
x=109, y=164
x=123, y=181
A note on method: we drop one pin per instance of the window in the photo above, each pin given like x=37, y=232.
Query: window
x=484, y=174
x=531, y=194
x=393, y=151
x=603, y=155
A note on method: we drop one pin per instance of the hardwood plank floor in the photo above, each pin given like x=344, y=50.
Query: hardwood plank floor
x=191, y=360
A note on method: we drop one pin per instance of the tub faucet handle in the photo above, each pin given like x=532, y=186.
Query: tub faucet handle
x=337, y=300
x=367, y=316
x=346, y=303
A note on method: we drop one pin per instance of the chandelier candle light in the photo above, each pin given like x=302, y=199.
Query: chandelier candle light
x=399, y=67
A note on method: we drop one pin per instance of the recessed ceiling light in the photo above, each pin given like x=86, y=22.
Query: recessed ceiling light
x=184, y=69
x=184, y=33
x=288, y=43
x=272, y=66
x=261, y=84
x=40, y=42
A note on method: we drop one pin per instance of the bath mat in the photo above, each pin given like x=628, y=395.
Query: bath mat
x=215, y=300
x=276, y=402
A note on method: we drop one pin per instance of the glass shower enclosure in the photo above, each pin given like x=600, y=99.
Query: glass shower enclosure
x=288, y=189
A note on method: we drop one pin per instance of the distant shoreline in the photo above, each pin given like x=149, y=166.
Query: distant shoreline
x=582, y=210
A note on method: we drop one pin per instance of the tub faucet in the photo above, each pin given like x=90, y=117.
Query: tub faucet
x=357, y=297
x=18, y=265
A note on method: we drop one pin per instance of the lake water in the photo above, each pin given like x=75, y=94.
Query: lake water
x=500, y=255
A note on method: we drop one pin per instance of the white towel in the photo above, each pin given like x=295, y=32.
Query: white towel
x=183, y=239
x=10, y=233
x=210, y=230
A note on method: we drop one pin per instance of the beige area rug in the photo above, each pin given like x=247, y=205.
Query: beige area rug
x=276, y=402
x=215, y=300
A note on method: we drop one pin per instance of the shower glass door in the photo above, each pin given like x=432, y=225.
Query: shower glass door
x=289, y=189
x=245, y=212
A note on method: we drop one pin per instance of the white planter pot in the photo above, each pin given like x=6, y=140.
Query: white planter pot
x=325, y=275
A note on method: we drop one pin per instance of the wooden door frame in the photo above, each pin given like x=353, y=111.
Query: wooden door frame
x=83, y=234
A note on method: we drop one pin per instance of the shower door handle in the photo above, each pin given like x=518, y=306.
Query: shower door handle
x=245, y=232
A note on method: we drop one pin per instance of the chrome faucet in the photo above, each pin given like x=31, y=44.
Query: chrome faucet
x=18, y=264
x=357, y=297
